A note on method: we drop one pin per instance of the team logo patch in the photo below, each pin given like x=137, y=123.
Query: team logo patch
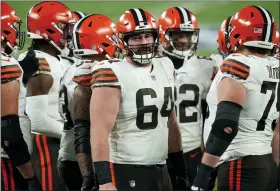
x=132, y=183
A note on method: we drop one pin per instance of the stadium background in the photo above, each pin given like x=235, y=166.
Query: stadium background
x=209, y=14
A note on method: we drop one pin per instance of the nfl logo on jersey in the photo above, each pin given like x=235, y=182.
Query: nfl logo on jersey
x=132, y=183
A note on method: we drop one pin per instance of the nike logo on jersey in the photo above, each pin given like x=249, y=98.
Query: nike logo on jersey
x=194, y=155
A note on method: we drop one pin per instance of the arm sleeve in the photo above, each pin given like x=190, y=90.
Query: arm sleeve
x=10, y=70
x=235, y=67
x=105, y=75
x=82, y=74
x=44, y=67
x=36, y=109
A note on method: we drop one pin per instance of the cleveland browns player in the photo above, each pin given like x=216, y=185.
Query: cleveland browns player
x=132, y=105
x=48, y=24
x=243, y=108
x=67, y=165
x=15, y=153
x=92, y=31
x=179, y=34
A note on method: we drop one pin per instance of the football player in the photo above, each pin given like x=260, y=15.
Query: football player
x=243, y=108
x=15, y=153
x=83, y=171
x=49, y=24
x=179, y=34
x=132, y=105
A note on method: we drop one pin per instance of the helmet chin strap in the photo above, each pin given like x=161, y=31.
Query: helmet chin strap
x=46, y=37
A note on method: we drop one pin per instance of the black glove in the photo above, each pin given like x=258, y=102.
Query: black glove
x=182, y=183
x=202, y=177
x=180, y=171
x=29, y=65
x=89, y=184
x=34, y=184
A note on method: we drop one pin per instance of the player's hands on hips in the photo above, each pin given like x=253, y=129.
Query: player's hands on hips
x=107, y=186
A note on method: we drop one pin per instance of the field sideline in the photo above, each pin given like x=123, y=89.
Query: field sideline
x=209, y=14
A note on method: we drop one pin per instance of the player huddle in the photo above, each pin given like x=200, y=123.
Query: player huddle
x=98, y=105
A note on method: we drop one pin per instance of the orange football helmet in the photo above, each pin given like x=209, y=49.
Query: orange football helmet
x=181, y=21
x=223, y=37
x=50, y=20
x=95, y=34
x=133, y=23
x=252, y=26
x=11, y=35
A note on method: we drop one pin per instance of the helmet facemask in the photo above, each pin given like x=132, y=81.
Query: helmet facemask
x=136, y=50
x=18, y=44
x=181, y=43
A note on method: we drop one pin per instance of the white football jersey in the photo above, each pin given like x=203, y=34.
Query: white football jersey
x=192, y=83
x=260, y=77
x=140, y=134
x=66, y=110
x=10, y=70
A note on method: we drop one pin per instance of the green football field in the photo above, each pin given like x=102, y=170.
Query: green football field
x=209, y=14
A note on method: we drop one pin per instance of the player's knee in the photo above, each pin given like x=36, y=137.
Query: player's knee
x=12, y=140
x=224, y=129
x=82, y=136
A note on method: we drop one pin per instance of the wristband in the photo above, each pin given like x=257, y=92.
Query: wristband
x=102, y=170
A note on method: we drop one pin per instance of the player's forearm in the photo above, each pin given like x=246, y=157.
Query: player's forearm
x=81, y=102
x=99, y=144
x=85, y=164
x=174, y=137
x=275, y=144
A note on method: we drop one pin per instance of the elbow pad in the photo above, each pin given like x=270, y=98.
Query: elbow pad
x=82, y=136
x=12, y=140
x=224, y=128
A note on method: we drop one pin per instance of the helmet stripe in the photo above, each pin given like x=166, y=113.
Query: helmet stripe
x=77, y=26
x=184, y=14
x=267, y=30
x=182, y=19
x=145, y=20
x=139, y=16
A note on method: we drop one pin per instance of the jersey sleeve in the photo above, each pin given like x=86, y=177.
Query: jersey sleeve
x=10, y=69
x=236, y=67
x=83, y=73
x=44, y=67
x=106, y=74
